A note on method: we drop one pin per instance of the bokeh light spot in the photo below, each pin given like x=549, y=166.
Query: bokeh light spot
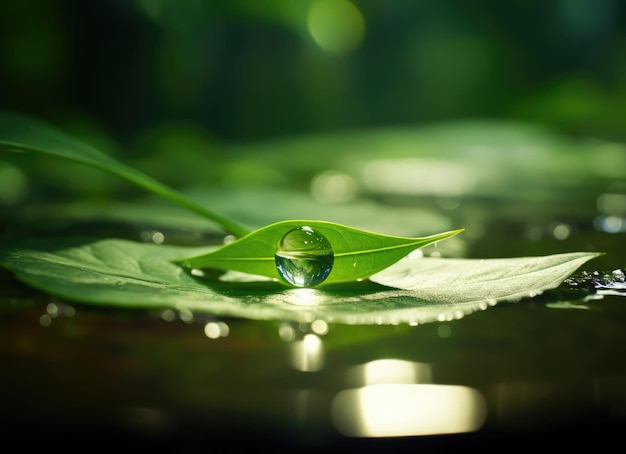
x=336, y=26
x=333, y=187
x=215, y=330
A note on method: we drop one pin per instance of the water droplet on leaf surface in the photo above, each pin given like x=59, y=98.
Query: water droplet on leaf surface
x=304, y=257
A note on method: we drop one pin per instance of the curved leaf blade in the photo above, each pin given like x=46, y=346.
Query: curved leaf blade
x=19, y=132
x=357, y=253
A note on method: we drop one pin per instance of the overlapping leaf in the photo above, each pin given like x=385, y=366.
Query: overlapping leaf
x=357, y=254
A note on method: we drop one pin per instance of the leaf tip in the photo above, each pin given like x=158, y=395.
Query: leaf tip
x=451, y=233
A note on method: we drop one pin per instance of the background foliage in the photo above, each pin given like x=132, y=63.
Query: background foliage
x=248, y=69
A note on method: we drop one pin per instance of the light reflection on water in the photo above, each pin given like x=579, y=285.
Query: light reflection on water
x=389, y=371
x=612, y=209
x=398, y=410
x=55, y=310
x=216, y=329
x=307, y=354
x=306, y=348
x=393, y=398
x=610, y=224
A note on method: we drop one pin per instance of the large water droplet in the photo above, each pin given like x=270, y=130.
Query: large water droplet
x=304, y=257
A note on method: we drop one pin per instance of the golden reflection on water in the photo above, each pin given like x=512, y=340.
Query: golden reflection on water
x=307, y=354
x=392, y=400
x=398, y=410
x=305, y=345
x=389, y=371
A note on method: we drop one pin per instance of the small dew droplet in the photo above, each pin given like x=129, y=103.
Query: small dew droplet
x=304, y=257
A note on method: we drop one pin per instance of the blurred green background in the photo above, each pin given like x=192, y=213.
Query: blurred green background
x=253, y=69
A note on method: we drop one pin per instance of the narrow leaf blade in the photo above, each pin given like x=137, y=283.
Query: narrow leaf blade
x=357, y=253
x=19, y=132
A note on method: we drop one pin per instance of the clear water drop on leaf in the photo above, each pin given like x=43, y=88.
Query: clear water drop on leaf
x=304, y=257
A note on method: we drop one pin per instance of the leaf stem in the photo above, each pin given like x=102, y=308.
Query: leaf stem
x=21, y=132
x=166, y=192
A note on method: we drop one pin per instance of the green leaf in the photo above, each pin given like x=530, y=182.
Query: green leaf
x=357, y=254
x=492, y=279
x=127, y=274
x=26, y=134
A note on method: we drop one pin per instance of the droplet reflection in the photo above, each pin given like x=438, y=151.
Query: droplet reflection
x=304, y=257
